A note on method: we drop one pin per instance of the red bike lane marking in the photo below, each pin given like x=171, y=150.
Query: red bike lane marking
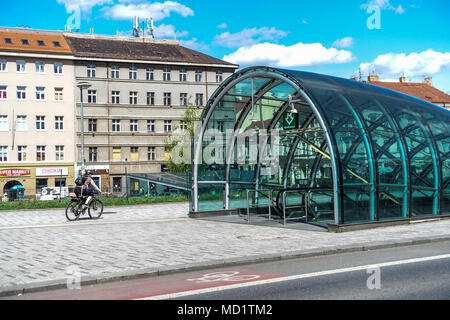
x=158, y=286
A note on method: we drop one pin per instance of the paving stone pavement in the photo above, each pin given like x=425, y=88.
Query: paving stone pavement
x=40, y=247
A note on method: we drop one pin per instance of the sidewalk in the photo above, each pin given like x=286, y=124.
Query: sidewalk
x=39, y=248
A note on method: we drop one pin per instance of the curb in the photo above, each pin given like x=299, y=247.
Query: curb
x=169, y=270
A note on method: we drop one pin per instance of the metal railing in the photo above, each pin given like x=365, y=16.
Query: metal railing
x=256, y=205
x=303, y=206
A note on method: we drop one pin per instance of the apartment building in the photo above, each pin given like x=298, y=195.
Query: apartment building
x=37, y=122
x=138, y=96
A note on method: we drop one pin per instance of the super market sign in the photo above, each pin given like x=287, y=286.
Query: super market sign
x=15, y=172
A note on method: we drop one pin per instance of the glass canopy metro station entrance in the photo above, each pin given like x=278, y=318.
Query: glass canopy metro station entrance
x=319, y=149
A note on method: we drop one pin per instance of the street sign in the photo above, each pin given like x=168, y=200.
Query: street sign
x=290, y=121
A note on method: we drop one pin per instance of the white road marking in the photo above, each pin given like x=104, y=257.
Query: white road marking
x=295, y=277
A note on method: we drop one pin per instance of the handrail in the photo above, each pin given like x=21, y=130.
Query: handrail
x=260, y=191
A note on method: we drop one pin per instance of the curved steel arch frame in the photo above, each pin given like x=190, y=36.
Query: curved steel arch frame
x=212, y=105
x=276, y=77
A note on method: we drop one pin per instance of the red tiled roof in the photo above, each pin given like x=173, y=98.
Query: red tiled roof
x=419, y=90
x=33, y=41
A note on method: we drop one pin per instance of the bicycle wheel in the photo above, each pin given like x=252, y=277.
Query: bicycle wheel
x=72, y=212
x=95, y=209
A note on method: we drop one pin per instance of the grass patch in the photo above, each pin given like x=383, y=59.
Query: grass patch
x=108, y=202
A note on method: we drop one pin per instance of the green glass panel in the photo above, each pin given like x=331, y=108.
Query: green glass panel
x=423, y=202
x=321, y=206
x=211, y=197
x=356, y=204
x=391, y=203
x=445, y=203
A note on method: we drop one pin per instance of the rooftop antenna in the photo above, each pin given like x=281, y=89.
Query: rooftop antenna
x=150, y=28
x=136, y=30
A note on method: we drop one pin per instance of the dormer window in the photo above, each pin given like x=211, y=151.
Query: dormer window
x=56, y=43
x=25, y=42
x=8, y=41
x=41, y=43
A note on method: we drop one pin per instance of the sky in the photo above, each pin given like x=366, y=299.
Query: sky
x=344, y=38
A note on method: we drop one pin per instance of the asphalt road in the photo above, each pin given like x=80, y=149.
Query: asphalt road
x=402, y=273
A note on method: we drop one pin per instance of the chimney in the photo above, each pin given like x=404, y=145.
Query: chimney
x=402, y=79
x=373, y=77
x=428, y=81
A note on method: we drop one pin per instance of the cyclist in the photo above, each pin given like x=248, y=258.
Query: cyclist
x=83, y=189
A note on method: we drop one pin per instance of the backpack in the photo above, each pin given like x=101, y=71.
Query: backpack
x=79, y=182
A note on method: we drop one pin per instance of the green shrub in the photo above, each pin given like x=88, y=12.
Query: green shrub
x=108, y=202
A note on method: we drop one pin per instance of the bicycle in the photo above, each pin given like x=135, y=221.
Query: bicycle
x=77, y=207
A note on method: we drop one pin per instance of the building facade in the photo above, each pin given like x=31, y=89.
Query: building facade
x=37, y=122
x=138, y=96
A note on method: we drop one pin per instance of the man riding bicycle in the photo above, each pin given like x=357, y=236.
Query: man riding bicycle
x=82, y=188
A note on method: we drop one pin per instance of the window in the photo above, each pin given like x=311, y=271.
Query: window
x=133, y=97
x=21, y=153
x=115, y=72
x=41, y=43
x=166, y=74
x=20, y=65
x=92, y=96
x=91, y=71
x=115, y=95
x=41, y=184
x=3, y=153
x=221, y=125
x=134, y=154
x=198, y=76
x=58, y=68
x=40, y=66
x=117, y=153
x=199, y=99
x=167, y=98
x=3, y=123
x=92, y=125
x=183, y=126
x=133, y=73
x=8, y=41
x=59, y=153
x=40, y=93
x=2, y=65
x=219, y=76
x=21, y=123
x=149, y=74
x=150, y=98
x=3, y=93
x=150, y=125
x=59, y=123
x=93, y=154
x=40, y=123
x=134, y=126
x=117, y=184
x=21, y=93
x=59, y=95
x=183, y=75
x=60, y=182
x=25, y=42
x=116, y=125
x=167, y=125
x=151, y=153
x=40, y=153
x=183, y=99
x=56, y=44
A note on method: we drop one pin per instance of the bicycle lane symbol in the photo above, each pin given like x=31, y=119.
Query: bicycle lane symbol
x=224, y=276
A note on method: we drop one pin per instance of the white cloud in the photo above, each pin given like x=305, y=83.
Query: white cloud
x=165, y=31
x=248, y=37
x=346, y=42
x=421, y=64
x=222, y=26
x=194, y=44
x=156, y=10
x=82, y=5
x=384, y=5
x=298, y=55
